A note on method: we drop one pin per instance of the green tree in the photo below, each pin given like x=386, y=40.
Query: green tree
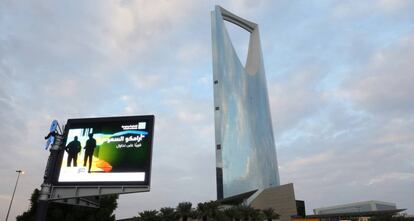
x=213, y=209
x=256, y=215
x=246, y=212
x=208, y=210
x=193, y=214
x=65, y=212
x=233, y=213
x=31, y=213
x=184, y=210
x=221, y=216
x=149, y=215
x=202, y=211
x=168, y=214
x=270, y=214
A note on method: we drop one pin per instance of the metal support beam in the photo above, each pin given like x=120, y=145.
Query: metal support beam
x=46, y=187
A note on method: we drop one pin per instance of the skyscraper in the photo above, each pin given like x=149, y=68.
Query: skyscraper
x=245, y=147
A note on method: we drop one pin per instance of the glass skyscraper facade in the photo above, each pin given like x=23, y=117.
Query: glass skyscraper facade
x=245, y=148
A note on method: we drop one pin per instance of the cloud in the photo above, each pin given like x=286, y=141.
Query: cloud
x=395, y=6
x=295, y=97
x=347, y=164
x=385, y=84
x=392, y=177
x=68, y=60
x=319, y=158
x=339, y=92
x=360, y=143
x=347, y=9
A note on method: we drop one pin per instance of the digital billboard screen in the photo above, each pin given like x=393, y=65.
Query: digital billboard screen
x=99, y=151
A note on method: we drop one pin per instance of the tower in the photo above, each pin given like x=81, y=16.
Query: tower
x=245, y=148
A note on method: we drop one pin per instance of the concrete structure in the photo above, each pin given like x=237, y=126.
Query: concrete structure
x=365, y=206
x=245, y=147
x=281, y=199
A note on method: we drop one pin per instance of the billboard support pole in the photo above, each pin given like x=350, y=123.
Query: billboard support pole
x=46, y=186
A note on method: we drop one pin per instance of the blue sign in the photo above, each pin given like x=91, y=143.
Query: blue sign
x=51, y=138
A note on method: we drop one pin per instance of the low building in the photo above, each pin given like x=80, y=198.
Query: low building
x=361, y=211
x=365, y=206
x=360, y=216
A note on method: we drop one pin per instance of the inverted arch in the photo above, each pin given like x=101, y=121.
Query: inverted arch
x=241, y=22
x=254, y=61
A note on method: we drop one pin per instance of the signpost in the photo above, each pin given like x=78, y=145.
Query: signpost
x=95, y=157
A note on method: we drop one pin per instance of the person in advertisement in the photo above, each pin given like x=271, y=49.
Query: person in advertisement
x=73, y=149
x=89, y=148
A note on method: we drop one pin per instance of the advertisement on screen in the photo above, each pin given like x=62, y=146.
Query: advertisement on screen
x=114, y=150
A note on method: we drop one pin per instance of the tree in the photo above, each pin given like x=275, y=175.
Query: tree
x=149, y=215
x=184, y=210
x=208, y=210
x=256, y=215
x=31, y=213
x=65, y=212
x=168, y=214
x=221, y=216
x=270, y=214
x=213, y=209
x=246, y=212
x=193, y=214
x=233, y=213
x=202, y=211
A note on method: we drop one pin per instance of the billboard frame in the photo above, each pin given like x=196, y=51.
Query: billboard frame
x=69, y=192
x=135, y=184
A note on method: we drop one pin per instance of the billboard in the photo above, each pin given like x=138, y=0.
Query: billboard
x=106, y=151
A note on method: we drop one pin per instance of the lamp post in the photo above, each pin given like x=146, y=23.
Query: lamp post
x=14, y=191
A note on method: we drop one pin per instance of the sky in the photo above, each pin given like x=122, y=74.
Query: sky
x=340, y=80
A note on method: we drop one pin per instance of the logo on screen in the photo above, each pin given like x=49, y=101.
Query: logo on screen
x=139, y=126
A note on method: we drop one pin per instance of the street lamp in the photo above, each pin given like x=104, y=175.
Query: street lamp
x=15, y=186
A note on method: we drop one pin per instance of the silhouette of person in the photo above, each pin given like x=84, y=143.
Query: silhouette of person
x=73, y=148
x=89, y=148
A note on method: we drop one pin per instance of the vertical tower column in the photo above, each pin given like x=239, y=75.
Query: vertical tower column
x=245, y=149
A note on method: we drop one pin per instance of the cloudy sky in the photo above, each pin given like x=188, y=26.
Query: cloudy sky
x=340, y=79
